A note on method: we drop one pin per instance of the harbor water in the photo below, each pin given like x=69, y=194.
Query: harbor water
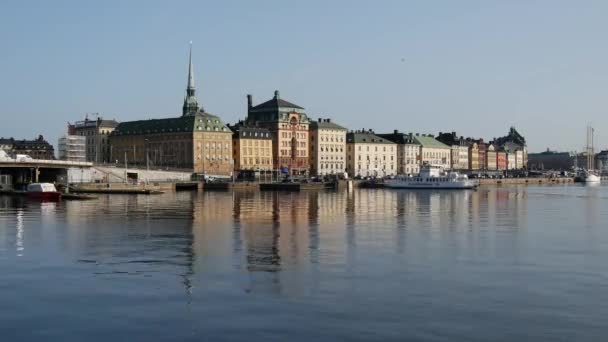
x=495, y=264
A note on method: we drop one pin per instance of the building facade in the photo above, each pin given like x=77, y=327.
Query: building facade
x=473, y=155
x=408, y=152
x=432, y=151
x=501, y=160
x=551, y=160
x=196, y=141
x=512, y=143
x=289, y=127
x=251, y=148
x=97, y=134
x=459, y=157
x=491, y=158
x=368, y=155
x=482, y=148
x=327, y=147
x=72, y=148
x=37, y=148
x=511, y=164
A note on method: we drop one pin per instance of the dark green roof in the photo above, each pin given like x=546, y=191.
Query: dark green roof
x=399, y=138
x=188, y=123
x=325, y=123
x=365, y=138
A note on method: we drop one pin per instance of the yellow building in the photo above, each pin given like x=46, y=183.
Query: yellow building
x=491, y=157
x=196, y=141
x=473, y=155
x=368, y=155
x=433, y=152
x=252, y=148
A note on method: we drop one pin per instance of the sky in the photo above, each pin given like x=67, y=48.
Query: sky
x=428, y=66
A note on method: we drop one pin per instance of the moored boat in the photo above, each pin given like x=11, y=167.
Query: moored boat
x=432, y=177
x=43, y=191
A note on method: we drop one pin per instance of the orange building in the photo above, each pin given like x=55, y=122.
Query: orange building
x=288, y=126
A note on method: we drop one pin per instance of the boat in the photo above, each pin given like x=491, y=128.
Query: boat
x=590, y=175
x=432, y=177
x=43, y=191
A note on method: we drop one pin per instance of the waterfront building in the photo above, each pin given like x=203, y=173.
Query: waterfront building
x=327, y=147
x=501, y=160
x=473, y=155
x=513, y=142
x=551, y=160
x=408, y=152
x=196, y=141
x=36, y=148
x=433, y=152
x=252, y=148
x=288, y=124
x=482, y=148
x=491, y=158
x=459, y=156
x=73, y=148
x=96, y=132
x=511, y=164
x=370, y=155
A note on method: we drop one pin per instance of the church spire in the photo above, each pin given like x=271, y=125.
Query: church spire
x=190, y=69
x=190, y=103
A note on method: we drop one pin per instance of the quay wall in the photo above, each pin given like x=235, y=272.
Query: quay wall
x=535, y=180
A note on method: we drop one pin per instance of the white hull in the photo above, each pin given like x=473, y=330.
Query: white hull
x=454, y=185
x=592, y=179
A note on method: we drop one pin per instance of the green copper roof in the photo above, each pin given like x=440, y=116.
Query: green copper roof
x=427, y=141
x=199, y=122
x=365, y=138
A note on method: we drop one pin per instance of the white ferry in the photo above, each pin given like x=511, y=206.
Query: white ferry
x=432, y=177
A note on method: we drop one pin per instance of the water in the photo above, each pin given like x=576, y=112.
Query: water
x=498, y=264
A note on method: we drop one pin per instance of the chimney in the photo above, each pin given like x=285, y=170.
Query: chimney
x=249, y=101
x=396, y=131
x=276, y=94
x=328, y=120
x=320, y=120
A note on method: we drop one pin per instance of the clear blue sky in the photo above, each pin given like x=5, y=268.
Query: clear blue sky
x=476, y=67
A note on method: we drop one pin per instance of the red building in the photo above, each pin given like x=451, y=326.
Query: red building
x=501, y=160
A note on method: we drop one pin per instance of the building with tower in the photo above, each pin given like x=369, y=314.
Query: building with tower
x=196, y=140
x=288, y=125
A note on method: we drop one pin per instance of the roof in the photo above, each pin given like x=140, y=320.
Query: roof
x=326, y=124
x=36, y=144
x=399, y=138
x=429, y=141
x=365, y=138
x=275, y=103
x=250, y=132
x=189, y=123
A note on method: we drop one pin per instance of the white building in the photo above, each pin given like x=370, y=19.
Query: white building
x=370, y=155
x=433, y=152
x=408, y=152
x=327, y=146
x=73, y=148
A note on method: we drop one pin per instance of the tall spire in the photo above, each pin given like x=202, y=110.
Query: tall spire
x=190, y=70
x=190, y=103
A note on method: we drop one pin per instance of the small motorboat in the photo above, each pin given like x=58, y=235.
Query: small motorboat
x=43, y=191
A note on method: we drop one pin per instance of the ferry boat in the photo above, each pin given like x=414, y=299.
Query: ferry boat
x=43, y=191
x=432, y=177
